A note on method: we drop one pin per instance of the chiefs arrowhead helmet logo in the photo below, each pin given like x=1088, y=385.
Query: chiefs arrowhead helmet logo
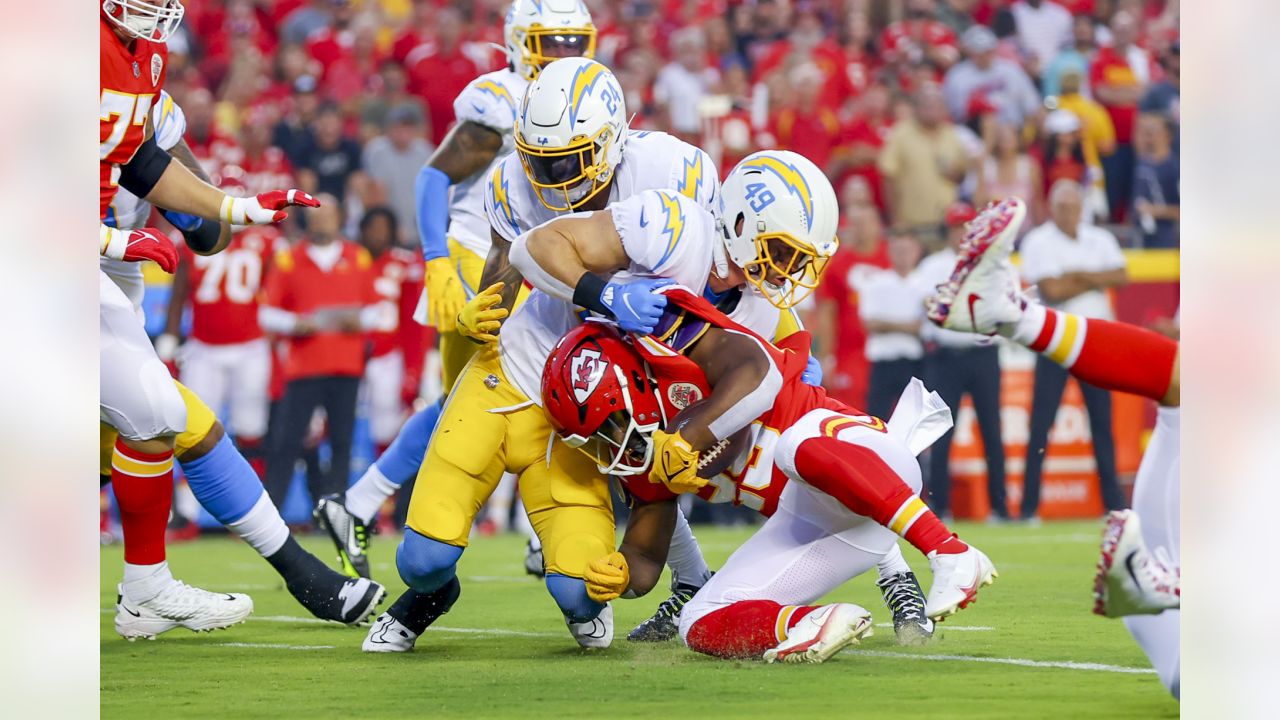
x=586, y=368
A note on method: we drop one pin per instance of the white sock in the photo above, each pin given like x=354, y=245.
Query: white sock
x=1028, y=327
x=143, y=582
x=535, y=542
x=685, y=558
x=262, y=527
x=893, y=563
x=365, y=498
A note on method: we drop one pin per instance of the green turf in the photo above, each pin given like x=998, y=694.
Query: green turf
x=504, y=652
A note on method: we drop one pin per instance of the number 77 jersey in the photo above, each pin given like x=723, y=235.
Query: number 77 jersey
x=131, y=80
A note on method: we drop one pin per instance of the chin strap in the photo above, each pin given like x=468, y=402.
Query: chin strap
x=720, y=260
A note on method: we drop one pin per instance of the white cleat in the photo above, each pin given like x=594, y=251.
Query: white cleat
x=822, y=633
x=956, y=579
x=388, y=635
x=179, y=605
x=1131, y=580
x=595, y=634
x=983, y=293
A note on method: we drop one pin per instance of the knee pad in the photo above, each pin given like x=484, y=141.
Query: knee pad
x=571, y=554
x=570, y=594
x=426, y=564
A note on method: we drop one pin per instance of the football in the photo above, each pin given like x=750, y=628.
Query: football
x=721, y=456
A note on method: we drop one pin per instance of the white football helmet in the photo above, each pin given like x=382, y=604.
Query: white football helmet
x=537, y=32
x=154, y=20
x=778, y=219
x=570, y=132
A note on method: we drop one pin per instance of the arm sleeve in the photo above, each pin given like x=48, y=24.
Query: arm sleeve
x=431, y=204
x=140, y=175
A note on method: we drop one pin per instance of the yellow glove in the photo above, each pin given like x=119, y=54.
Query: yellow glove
x=444, y=294
x=675, y=463
x=607, y=577
x=479, y=319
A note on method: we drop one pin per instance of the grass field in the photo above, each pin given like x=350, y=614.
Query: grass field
x=1029, y=649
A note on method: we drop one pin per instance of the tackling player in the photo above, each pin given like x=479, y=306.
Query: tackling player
x=456, y=239
x=1138, y=575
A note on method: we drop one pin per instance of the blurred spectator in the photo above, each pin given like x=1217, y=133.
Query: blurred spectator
x=1164, y=96
x=681, y=85
x=956, y=364
x=439, y=70
x=263, y=166
x=1076, y=58
x=1043, y=28
x=294, y=134
x=393, y=161
x=333, y=159
x=840, y=334
x=307, y=20
x=320, y=297
x=864, y=138
x=919, y=38
x=1006, y=170
x=1096, y=129
x=1065, y=156
x=212, y=147
x=1156, y=186
x=1119, y=76
x=956, y=14
x=333, y=41
x=892, y=308
x=1001, y=81
x=922, y=162
x=1073, y=264
x=804, y=126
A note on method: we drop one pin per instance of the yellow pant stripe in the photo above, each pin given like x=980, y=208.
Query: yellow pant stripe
x=1070, y=328
x=784, y=619
x=907, y=514
x=141, y=468
x=832, y=426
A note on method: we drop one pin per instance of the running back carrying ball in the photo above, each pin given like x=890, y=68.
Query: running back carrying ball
x=719, y=457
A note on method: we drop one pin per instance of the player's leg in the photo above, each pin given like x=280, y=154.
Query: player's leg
x=1046, y=395
x=1097, y=402
x=984, y=390
x=900, y=590
x=339, y=402
x=689, y=572
x=292, y=422
x=229, y=488
x=942, y=378
x=250, y=401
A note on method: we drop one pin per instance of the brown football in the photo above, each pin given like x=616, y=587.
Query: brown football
x=721, y=456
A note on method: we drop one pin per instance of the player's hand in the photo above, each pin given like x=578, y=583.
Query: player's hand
x=675, y=463
x=480, y=318
x=607, y=577
x=139, y=245
x=445, y=297
x=634, y=304
x=812, y=374
x=265, y=208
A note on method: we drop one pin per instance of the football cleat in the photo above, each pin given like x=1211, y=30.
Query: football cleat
x=596, y=633
x=1130, y=580
x=956, y=579
x=822, y=633
x=533, y=561
x=388, y=635
x=352, y=602
x=347, y=532
x=665, y=623
x=905, y=599
x=179, y=605
x=983, y=293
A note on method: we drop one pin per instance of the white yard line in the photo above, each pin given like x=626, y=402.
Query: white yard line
x=275, y=646
x=1020, y=662
x=960, y=628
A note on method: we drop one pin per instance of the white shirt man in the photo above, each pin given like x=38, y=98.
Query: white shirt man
x=1048, y=252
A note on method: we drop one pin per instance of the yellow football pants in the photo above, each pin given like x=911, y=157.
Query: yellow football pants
x=200, y=420
x=488, y=427
x=456, y=350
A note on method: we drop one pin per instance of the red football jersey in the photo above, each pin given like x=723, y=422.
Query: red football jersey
x=130, y=82
x=266, y=171
x=753, y=480
x=397, y=276
x=225, y=287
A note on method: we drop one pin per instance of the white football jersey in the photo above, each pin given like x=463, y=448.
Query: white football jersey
x=490, y=100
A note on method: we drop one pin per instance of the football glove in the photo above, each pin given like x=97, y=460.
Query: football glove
x=265, y=208
x=635, y=305
x=444, y=294
x=139, y=245
x=812, y=374
x=675, y=463
x=480, y=319
x=607, y=577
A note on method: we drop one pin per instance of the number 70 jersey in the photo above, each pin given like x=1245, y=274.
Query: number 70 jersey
x=225, y=288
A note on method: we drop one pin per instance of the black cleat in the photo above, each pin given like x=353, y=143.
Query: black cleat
x=348, y=534
x=665, y=623
x=533, y=561
x=902, y=595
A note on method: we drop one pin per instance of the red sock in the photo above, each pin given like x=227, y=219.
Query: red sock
x=1111, y=355
x=143, y=485
x=864, y=483
x=745, y=629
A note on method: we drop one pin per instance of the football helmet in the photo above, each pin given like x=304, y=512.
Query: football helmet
x=601, y=398
x=153, y=20
x=570, y=132
x=537, y=32
x=778, y=219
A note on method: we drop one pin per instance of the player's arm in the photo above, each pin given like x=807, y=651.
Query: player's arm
x=203, y=237
x=498, y=268
x=557, y=254
x=634, y=569
x=1069, y=285
x=744, y=382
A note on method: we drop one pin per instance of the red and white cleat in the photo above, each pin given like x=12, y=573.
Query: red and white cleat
x=983, y=292
x=956, y=579
x=1130, y=579
x=822, y=633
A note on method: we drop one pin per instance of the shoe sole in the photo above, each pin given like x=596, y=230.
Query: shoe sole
x=823, y=646
x=344, y=557
x=971, y=596
x=149, y=629
x=1112, y=531
x=912, y=635
x=972, y=252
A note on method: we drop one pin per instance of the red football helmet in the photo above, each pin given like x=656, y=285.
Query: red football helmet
x=147, y=19
x=601, y=399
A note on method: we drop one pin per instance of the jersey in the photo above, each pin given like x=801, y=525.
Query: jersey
x=130, y=83
x=490, y=100
x=397, y=276
x=661, y=199
x=225, y=287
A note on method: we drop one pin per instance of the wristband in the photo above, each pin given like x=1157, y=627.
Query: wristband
x=587, y=293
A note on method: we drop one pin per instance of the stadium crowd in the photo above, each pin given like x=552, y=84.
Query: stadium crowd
x=918, y=110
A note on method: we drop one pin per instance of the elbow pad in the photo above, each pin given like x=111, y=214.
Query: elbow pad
x=201, y=236
x=140, y=175
x=431, y=193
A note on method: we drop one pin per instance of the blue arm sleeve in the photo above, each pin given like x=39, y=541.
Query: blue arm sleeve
x=431, y=193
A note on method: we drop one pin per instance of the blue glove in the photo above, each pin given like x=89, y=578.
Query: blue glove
x=635, y=305
x=812, y=374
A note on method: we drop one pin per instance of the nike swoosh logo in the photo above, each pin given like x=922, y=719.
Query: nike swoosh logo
x=230, y=597
x=135, y=614
x=1128, y=566
x=643, y=222
x=350, y=596
x=973, y=320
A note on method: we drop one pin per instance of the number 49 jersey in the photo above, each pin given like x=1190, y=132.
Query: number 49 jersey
x=226, y=287
x=130, y=84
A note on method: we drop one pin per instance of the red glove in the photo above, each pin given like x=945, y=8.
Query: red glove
x=139, y=245
x=265, y=208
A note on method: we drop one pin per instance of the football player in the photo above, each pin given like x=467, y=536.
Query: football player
x=775, y=227
x=1138, y=575
x=455, y=240
x=573, y=152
